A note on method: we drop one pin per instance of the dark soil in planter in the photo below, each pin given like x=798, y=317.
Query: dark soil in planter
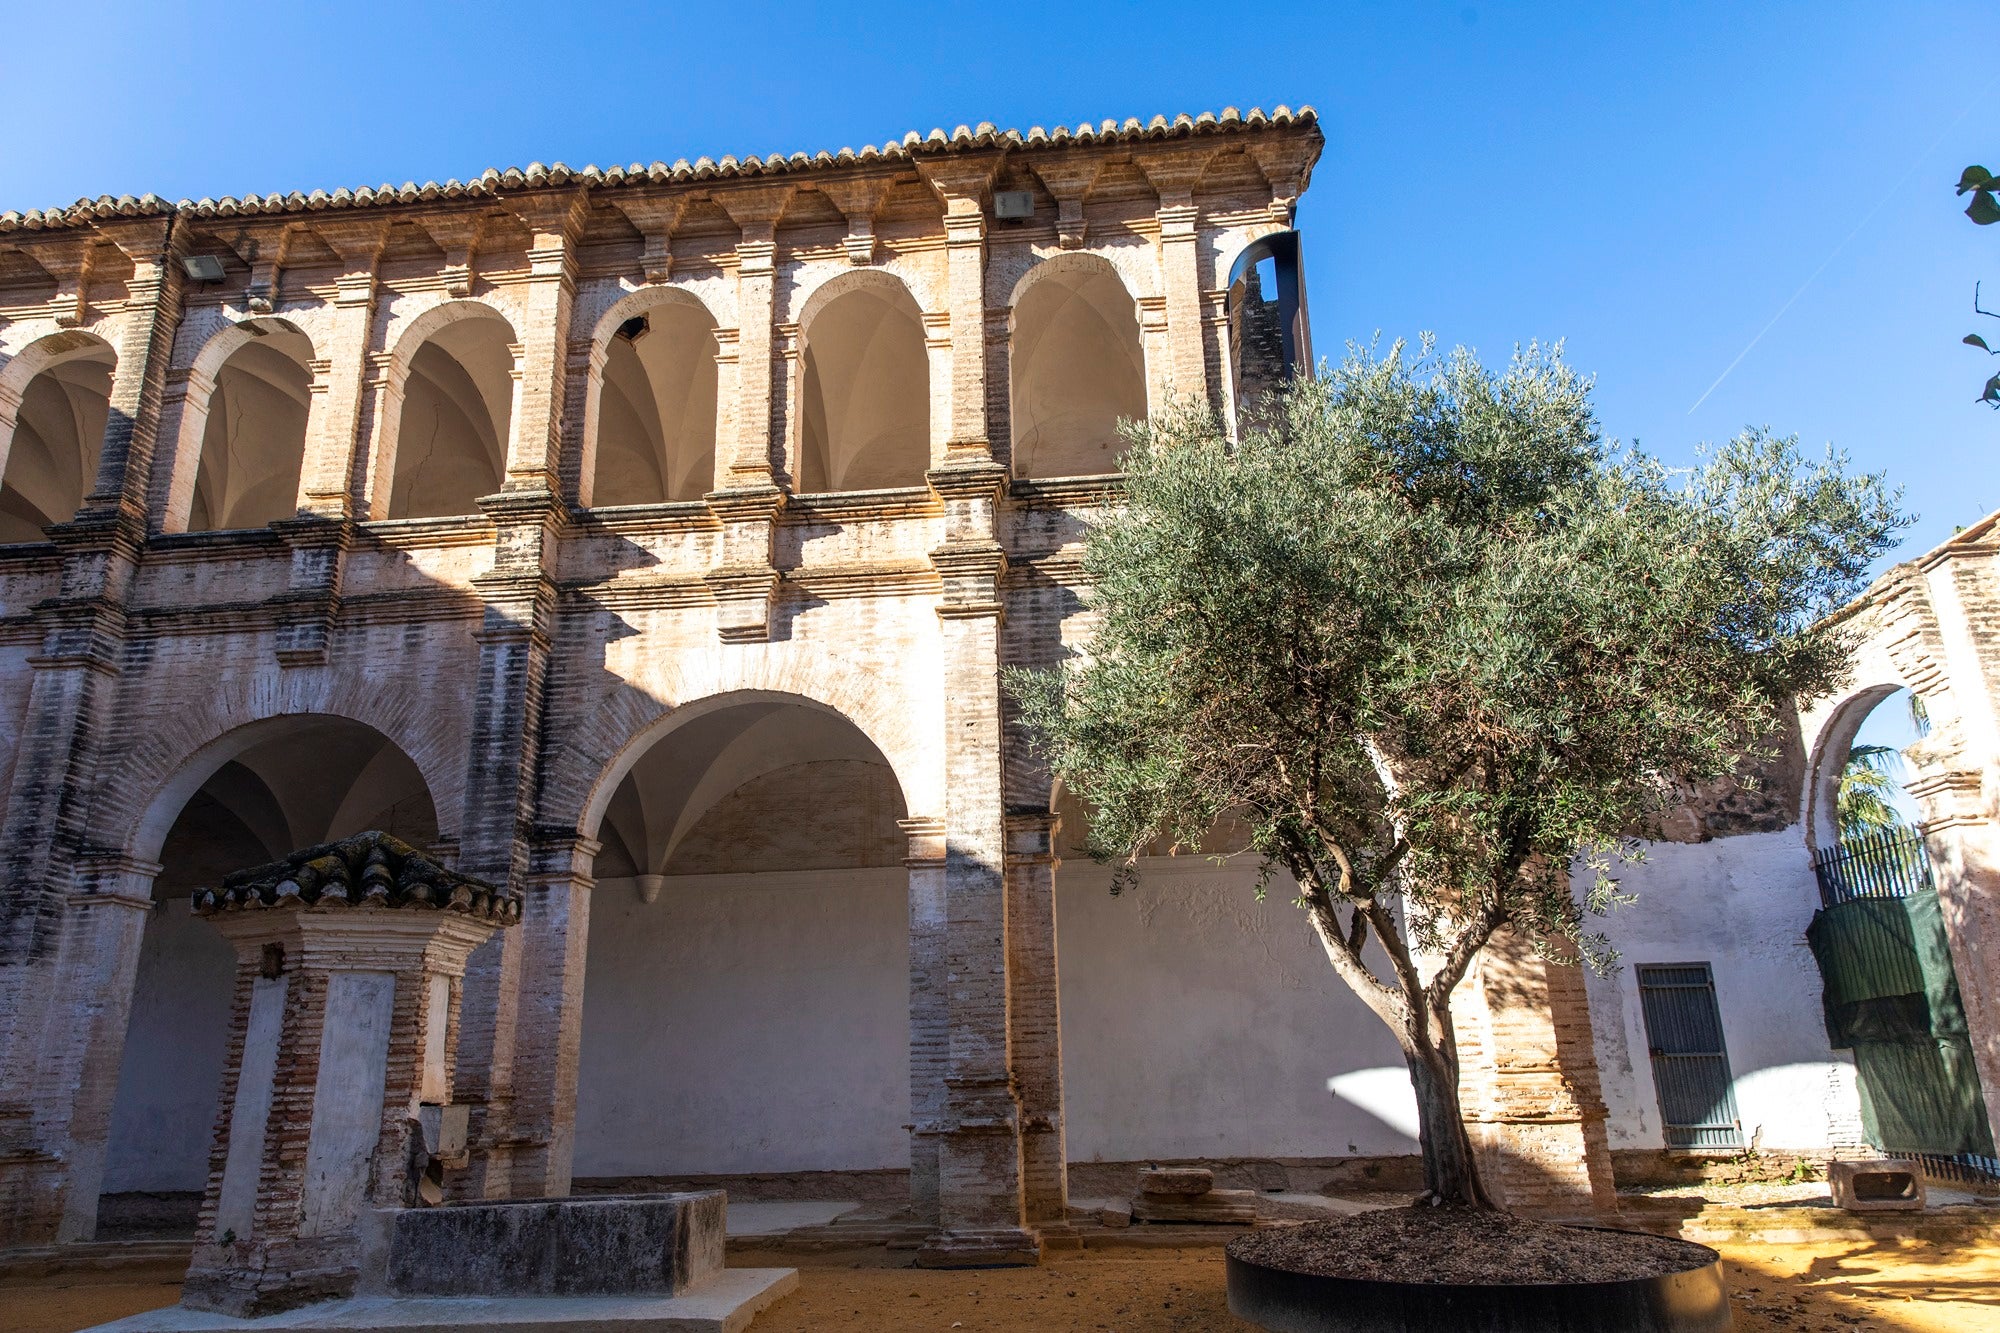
x=1427, y=1270
x=1448, y=1246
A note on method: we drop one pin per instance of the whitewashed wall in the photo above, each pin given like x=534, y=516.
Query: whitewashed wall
x=1741, y=905
x=1198, y=1022
x=758, y=1023
x=746, y=1023
x=164, y=1118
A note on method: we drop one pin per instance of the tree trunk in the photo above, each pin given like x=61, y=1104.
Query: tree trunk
x=1451, y=1173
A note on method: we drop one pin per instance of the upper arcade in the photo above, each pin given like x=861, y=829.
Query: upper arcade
x=840, y=323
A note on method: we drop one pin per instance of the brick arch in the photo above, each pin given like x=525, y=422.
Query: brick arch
x=840, y=284
x=387, y=415
x=1021, y=363
x=155, y=776
x=20, y=369
x=635, y=302
x=634, y=716
x=185, y=460
x=1081, y=262
x=1895, y=643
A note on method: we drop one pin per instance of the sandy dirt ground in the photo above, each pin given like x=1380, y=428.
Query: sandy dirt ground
x=1795, y=1288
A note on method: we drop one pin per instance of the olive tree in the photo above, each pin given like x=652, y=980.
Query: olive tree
x=1436, y=643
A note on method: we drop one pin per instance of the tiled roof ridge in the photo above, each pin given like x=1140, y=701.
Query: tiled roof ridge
x=535, y=175
x=372, y=869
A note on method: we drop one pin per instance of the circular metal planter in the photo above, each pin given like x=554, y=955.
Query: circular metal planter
x=1691, y=1301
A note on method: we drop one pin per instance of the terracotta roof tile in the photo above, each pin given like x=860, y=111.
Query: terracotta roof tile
x=535, y=175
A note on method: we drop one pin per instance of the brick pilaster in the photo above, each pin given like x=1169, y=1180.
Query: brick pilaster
x=981, y=1204
x=1035, y=1016
x=930, y=1018
x=1175, y=177
x=69, y=701
x=1528, y=1083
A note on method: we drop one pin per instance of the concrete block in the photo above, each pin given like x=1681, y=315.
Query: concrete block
x=1879, y=1186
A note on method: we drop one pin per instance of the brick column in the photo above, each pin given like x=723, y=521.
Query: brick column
x=963, y=186
x=69, y=703
x=322, y=530
x=548, y=1033
x=98, y=962
x=555, y=222
x=529, y=516
x=138, y=384
x=930, y=1019
x=1528, y=1083
x=981, y=1205
x=1175, y=177
x=1035, y=1017
x=508, y=695
x=326, y=483
x=746, y=499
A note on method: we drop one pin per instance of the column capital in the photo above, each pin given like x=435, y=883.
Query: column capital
x=69, y=262
x=656, y=217
x=755, y=209
x=1287, y=167
x=1174, y=173
x=1070, y=180
x=554, y=218
x=458, y=235
x=961, y=183
x=357, y=241
x=927, y=841
x=857, y=198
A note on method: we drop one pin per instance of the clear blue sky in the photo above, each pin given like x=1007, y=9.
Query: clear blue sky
x=1650, y=183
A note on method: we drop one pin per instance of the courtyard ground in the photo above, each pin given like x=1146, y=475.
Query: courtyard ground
x=1802, y=1288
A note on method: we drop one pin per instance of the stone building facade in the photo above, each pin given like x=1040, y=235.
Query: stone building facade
x=508, y=503
x=651, y=541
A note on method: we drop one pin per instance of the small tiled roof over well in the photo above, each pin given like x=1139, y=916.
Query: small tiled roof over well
x=367, y=870
x=535, y=175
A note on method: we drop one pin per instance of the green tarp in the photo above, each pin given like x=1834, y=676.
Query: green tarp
x=1892, y=996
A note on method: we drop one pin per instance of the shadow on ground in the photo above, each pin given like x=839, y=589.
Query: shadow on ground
x=1890, y=1287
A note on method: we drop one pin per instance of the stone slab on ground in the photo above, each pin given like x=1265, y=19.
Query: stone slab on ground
x=1216, y=1206
x=1176, y=1180
x=774, y=1217
x=726, y=1303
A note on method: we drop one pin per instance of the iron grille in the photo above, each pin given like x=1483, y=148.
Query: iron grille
x=1889, y=864
x=1690, y=1061
x=1959, y=1168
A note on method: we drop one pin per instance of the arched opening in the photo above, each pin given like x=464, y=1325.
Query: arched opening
x=274, y=786
x=253, y=443
x=747, y=979
x=864, y=399
x=1884, y=950
x=1270, y=336
x=1859, y=769
x=58, y=435
x=1077, y=366
x=458, y=406
x=656, y=408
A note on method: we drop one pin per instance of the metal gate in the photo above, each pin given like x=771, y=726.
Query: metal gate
x=1690, y=1063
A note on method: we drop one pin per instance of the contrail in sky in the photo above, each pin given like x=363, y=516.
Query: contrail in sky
x=1834, y=253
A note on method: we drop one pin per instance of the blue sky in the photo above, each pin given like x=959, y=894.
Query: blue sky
x=1650, y=183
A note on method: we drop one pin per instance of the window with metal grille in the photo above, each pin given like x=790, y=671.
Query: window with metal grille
x=1690, y=1062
